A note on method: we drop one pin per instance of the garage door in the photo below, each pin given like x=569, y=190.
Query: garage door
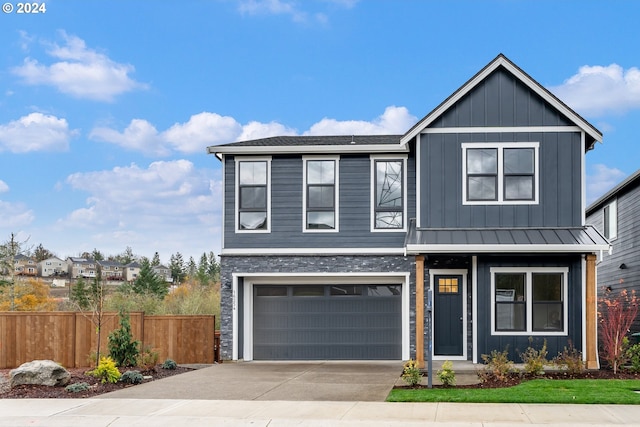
x=340, y=322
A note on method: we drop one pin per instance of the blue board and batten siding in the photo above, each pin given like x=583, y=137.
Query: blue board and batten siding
x=560, y=187
x=287, y=208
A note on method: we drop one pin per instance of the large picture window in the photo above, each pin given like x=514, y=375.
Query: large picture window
x=529, y=301
x=253, y=195
x=388, y=194
x=321, y=179
x=500, y=173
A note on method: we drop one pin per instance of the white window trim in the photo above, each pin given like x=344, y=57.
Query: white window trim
x=238, y=160
x=336, y=194
x=373, y=160
x=528, y=271
x=500, y=146
x=613, y=220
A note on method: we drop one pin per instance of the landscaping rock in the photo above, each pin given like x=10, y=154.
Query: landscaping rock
x=40, y=372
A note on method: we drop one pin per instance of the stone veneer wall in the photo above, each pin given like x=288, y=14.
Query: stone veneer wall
x=307, y=264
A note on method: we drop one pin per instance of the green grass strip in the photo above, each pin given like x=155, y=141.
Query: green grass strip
x=534, y=391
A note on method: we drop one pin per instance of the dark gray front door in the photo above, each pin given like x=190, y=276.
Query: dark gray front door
x=344, y=322
x=447, y=315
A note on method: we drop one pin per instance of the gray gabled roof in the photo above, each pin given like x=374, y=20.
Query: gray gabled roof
x=312, y=144
x=629, y=183
x=505, y=240
x=592, y=133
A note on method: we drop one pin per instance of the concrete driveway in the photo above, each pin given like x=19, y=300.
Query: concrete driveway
x=294, y=381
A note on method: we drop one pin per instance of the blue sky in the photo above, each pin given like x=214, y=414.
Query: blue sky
x=107, y=107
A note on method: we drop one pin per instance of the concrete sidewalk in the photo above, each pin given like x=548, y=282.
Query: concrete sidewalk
x=162, y=412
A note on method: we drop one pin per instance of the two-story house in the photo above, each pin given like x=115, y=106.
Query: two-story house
x=470, y=226
x=81, y=268
x=111, y=270
x=132, y=271
x=51, y=267
x=616, y=215
x=24, y=265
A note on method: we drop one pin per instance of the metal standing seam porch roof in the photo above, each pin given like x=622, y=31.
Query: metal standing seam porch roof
x=505, y=240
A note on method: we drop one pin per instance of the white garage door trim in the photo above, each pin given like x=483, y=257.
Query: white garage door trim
x=251, y=279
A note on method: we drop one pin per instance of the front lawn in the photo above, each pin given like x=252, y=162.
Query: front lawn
x=611, y=391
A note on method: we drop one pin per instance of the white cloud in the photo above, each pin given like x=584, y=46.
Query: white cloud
x=79, y=71
x=599, y=90
x=273, y=7
x=3, y=187
x=205, y=129
x=394, y=120
x=164, y=207
x=13, y=215
x=601, y=180
x=35, y=132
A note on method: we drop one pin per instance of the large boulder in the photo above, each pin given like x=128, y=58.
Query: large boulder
x=40, y=372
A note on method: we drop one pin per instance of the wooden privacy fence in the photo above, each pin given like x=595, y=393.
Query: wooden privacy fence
x=70, y=337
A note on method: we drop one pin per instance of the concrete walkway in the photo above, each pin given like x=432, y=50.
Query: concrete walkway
x=161, y=412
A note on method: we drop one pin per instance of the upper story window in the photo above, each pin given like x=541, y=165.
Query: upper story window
x=610, y=219
x=388, y=193
x=320, y=194
x=529, y=300
x=505, y=173
x=252, y=195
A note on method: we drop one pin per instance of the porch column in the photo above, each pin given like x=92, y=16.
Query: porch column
x=591, y=346
x=420, y=310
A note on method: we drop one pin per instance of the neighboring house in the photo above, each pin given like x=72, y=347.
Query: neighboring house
x=52, y=267
x=111, y=270
x=25, y=266
x=131, y=271
x=81, y=268
x=162, y=272
x=333, y=244
x=616, y=215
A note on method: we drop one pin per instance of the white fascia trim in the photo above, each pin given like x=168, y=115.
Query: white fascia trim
x=418, y=186
x=405, y=220
x=463, y=273
x=312, y=149
x=224, y=189
x=313, y=251
x=585, y=297
x=503, y=129
x=237, y=193
x=528, y=81
x=418, y=249
x=583, y=179
x=234, y=317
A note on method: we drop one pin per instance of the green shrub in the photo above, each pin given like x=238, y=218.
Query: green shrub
x=411, y=373
x=497, y=366
x=77, y=387
x=169, y=364
x=132, y=377
x=534, y=360
x=123, y=349
x=106, y=371
x=147, y=359
x=446, y=374
x=633, y=354
x=570, y=360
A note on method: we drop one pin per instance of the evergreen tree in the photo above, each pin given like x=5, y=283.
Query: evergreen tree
x=202, y=271
x=96, y=255
x=176, y=265
x=80, y=294
x=192, y=269
x=214, y=267
x=40, y=253
x=127, y=257
x=156, y=260
x=148, y=282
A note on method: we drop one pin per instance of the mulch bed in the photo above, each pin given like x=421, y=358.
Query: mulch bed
x=79, y=375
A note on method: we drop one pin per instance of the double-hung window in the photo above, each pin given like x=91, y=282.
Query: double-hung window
x=320, y=194
x=529, y=300
x=610, y=220
x=505, y=173
x=252, y=194
x=388, y=193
